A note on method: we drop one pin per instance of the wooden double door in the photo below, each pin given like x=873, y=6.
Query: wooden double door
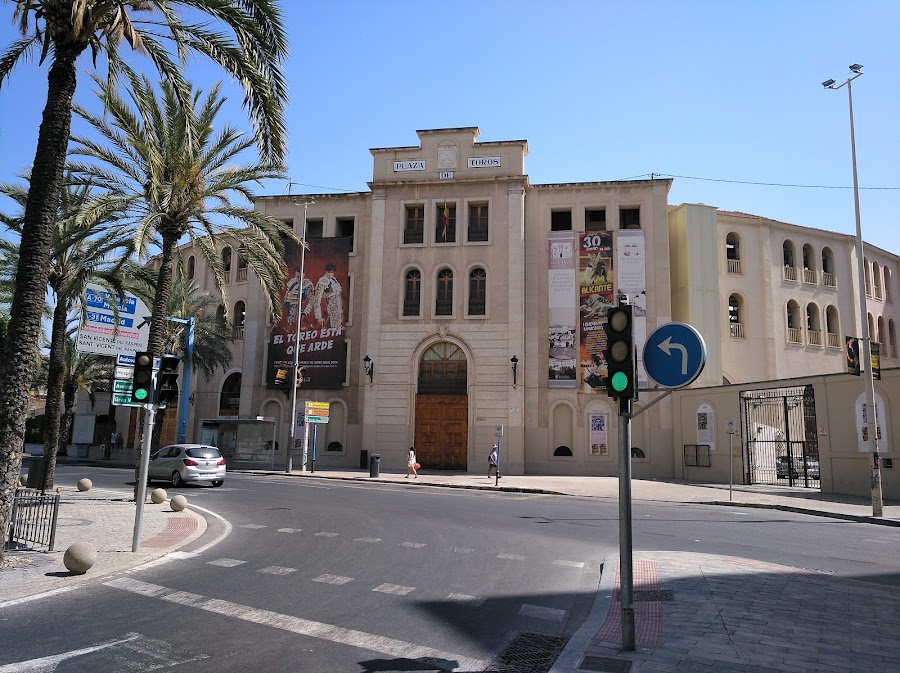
x=442, y=431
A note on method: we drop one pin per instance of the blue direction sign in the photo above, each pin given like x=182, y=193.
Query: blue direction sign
x=674, y=355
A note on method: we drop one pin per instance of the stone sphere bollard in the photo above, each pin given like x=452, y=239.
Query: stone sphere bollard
x=158, y=496
x=79, y=558
x=178, y=503
x=84, y=484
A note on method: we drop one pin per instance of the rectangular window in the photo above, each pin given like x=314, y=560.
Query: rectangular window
x=414, y=228
x=445, y=232
x=346, y=228
x=561, y=220
x=629, y=218
x=315, y=228
x=478, y=223
x=595, y=219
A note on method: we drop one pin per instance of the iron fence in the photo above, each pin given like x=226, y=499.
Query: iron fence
x=32, y=522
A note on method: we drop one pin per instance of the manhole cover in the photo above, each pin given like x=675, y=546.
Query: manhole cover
x=529, y=653
x=605, y=665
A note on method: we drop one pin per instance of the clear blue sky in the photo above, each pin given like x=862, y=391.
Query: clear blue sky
x=600, y=90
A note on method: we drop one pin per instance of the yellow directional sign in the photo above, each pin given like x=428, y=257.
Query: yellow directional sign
x=317, y=405
x=317, y=412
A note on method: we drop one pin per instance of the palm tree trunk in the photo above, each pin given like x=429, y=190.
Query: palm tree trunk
x=156, y=340
x=55, y=376
x=33, y=270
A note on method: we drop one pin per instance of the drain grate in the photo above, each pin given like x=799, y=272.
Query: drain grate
x=529, y=653
x=605, y=665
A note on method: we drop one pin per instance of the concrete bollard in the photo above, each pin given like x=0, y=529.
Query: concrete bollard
x=84, y=484
x=158, y=496
x=178, y=503
x=79, y=558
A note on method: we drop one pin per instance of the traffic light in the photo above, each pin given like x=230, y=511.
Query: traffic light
x=167, y=381
x=142, y=379
x=619, y=353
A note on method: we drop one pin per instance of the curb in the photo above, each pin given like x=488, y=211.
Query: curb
x=858, y=518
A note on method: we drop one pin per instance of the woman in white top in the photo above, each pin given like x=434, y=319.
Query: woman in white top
x=411, y=464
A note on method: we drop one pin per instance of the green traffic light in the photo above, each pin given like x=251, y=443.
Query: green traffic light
x=619, y=381
x=141, y=394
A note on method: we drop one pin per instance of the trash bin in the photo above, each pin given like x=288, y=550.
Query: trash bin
x=363, y=459
x=35, y=472
x=374, y=464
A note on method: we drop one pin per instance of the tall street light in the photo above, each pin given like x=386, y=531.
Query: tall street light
x=293, y=442
x=871, y=420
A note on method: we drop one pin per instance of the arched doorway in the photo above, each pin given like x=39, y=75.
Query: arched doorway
x=442, y=408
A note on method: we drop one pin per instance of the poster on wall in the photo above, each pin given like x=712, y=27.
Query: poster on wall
x=706, y=426
x=599, y=445
x=561, y=315
x=862, y=424
x=631, y=280
x=315, y=299
x=596, y=295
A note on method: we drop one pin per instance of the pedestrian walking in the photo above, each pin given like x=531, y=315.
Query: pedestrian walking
x=492, y=460
x=120, y=443
x=411, y=464
x=112, y=440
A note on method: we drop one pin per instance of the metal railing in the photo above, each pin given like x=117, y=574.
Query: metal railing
x=32, y=521
x=814, y=337
x=794, y=336
x=834, y=340
x=790, y=273
x=810, y=277
x=734, y=266
x=828, y=279
x=737, y=330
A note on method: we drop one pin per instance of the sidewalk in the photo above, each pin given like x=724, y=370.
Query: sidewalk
x=697, y=613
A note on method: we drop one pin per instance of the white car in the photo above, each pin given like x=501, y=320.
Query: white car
x=180, y=463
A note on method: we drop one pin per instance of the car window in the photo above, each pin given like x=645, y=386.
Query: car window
x=203, y=452
x=173, y=452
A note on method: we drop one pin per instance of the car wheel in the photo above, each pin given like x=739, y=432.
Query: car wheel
x=176, y=479
x=218, y=482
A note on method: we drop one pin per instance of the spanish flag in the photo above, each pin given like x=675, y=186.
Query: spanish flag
x=445, y=219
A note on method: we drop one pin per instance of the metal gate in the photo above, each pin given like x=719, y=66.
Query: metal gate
x=781, y=435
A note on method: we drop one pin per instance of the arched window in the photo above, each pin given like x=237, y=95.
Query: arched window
x=191, y=267
x=828, y=277
x=443, y=304
x=813, y=325
x=876, y=276
x=220, y=315
x=809, y=265
x=880, y=338
x=443, y=370
x=832, y=327
x=793, y=322
x=240, y=317
x=230, y=399
x=412, y=293
x=887, y=285
x=226, y=260
x=735, y=308
x=733, y=252
x=868, y=277
x=871, y=327
x=241, y=268
x=892, y=336
x=790, y=268
x=477, y=291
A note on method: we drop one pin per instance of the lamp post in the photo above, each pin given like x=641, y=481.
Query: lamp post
x=290, y=451
x=871, y=420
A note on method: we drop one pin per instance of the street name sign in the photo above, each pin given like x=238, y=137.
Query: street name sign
x=674, y=355
x=120, y=386
x=123, y=400
x=100, y=333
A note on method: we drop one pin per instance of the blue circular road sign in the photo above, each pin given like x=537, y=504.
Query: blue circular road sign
x=674, y=355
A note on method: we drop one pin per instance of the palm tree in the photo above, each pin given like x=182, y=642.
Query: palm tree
x=89, y=246
x=246, y=39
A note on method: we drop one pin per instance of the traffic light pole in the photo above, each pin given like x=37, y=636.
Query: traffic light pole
x=626, y=572
x=149, y=422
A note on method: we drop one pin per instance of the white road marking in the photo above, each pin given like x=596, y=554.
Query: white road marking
x=289, y=530
x=226, y=562
x=332, y=579
x=336, y=634
x=277, y=570
x=463, y=550
x=474, y=601
x=368, y=539
x=570, y=564
x=540, y=612
x=27, y=599
x=394, y=589
x=253, y=526
x=511, y=557
x=326, y=534
x=413, y=545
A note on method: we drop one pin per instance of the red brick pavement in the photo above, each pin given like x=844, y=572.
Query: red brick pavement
x=647, y=614
x=177, y=529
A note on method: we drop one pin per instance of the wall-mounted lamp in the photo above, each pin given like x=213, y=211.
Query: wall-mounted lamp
x=515, y=362
x=370, y=367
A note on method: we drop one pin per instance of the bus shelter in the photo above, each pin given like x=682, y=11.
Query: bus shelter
x=247, y=442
